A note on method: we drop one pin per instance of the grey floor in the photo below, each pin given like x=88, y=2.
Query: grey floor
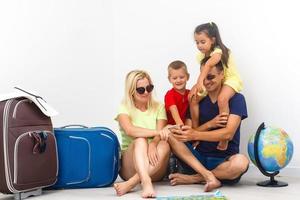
x=245, y=190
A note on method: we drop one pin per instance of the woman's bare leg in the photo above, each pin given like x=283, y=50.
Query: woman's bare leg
x=155, y=172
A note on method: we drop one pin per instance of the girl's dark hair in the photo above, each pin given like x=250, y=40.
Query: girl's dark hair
x=211, y=29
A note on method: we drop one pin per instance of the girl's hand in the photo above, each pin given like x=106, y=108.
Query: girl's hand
x=220, y=121
x=197, y=92
x=201, y=90
x=193, y=92
x=152, y=154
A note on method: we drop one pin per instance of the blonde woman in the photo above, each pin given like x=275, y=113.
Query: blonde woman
x=142, y=121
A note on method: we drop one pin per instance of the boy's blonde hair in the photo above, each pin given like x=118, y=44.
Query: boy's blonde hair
x=177, y=64
x=130, y=89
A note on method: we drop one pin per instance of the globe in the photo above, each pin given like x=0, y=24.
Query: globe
x=274, y=150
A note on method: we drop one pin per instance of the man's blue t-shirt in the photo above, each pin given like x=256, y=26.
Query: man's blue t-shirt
x=208, y=111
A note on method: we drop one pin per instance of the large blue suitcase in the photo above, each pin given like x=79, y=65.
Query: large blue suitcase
x=88, y=157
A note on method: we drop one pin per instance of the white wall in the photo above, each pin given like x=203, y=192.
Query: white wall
x=76, y=52
x=62, y=50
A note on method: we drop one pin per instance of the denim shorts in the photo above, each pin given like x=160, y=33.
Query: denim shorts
x=209, y=163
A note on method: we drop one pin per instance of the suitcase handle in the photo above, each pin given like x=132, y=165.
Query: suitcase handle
x=76, y=125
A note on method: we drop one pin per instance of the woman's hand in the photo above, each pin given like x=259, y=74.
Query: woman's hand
x=220, y=121
x=152, y=154
x=164, y=133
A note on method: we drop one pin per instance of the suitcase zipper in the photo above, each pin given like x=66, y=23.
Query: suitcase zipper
x=5, y=146
x=17, y=105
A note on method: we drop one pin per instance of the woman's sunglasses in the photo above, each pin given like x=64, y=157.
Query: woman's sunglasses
x=148, y=88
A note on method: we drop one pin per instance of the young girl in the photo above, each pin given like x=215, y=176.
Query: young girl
x=176, y=99
x=144, y=158
x=209, y=43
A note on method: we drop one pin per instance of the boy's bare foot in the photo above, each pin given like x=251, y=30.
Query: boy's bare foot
x=148, y=191
x=211, y=183
x=180, y=179
x=123, y=188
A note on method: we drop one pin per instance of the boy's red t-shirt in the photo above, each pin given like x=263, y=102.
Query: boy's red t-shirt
x=173, y=97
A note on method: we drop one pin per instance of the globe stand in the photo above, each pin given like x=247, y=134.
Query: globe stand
x=272, y=182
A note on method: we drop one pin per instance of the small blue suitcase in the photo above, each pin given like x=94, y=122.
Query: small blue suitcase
x=88, y=157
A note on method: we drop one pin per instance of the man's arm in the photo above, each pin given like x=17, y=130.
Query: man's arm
x=204, y=127
x=188, y=122
x=219, y=121
x=227, y=133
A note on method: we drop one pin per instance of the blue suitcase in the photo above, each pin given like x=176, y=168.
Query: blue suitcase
x=88, y=157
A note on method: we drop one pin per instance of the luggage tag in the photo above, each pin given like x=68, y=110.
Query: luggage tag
x=38, y=100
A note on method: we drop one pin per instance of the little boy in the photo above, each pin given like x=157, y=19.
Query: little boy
x=176, y=99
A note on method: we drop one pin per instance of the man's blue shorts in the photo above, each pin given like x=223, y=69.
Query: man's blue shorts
x=209, y=163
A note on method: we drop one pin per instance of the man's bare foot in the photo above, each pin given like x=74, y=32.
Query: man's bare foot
x=148, y=191
x=180, y=179
x=123, y=188
x=211, y=183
